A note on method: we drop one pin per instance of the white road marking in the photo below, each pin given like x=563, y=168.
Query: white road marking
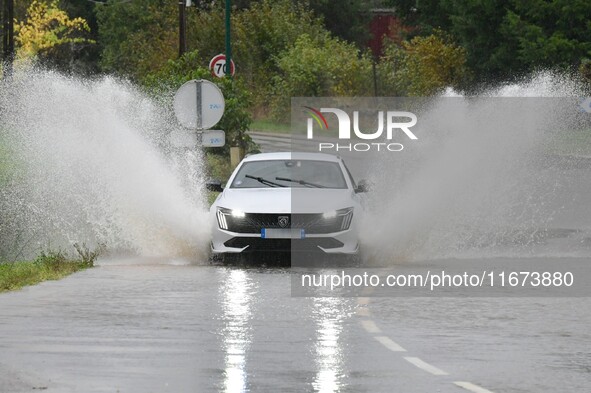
x=370, y=326
x=388, y=343
x=471, y=387
x=425, y=366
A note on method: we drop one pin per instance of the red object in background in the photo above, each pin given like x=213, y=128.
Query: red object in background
x=385, y=25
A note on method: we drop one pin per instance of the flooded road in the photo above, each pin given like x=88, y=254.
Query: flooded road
x=160, y=326
x=142, y=325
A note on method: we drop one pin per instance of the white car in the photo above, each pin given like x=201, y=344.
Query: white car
x=287, y=202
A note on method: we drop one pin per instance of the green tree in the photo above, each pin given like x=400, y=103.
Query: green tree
x=548, y=33
x=423, y=66
x=138, y=36
x=260, y=34
x=476, y=23
x=348, y=20
x=426, y=15
x=504, y=38
x=320, y=66
x=46, y=28
x=86, y=58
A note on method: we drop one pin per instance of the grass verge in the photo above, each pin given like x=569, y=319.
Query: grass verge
x=219, y=168
x=47, y=266
x=270, y=126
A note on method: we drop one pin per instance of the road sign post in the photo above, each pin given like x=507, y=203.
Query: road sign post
x=199, y=105
x=213, y=138
x=228, y=34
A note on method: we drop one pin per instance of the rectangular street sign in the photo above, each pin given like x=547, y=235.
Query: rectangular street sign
x=213, y=138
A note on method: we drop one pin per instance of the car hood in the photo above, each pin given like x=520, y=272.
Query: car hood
x=285, y=200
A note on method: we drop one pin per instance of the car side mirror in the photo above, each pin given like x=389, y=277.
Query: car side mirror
x=214, y=185
x=362, y=186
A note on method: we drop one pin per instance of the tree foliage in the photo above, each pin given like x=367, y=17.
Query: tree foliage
x=138, y=36
x=260, y=34
x=426, y=15
x=423, y=66
x=47, y=27
x=506, y=38
x=551, y=33
x=348, y=20
x=320, y=66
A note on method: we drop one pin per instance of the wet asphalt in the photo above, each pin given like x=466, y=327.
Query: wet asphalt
x=163, y=326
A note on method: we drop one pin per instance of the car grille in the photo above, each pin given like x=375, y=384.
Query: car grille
x=258, y=244
x=311, y=223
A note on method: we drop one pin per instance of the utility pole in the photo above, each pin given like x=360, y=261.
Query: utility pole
x=182, y=28
x=228, y=43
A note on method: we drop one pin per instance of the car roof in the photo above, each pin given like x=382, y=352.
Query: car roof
x=292, y=155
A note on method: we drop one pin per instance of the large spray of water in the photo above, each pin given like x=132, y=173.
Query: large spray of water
x=485, y=179
x=92, y=162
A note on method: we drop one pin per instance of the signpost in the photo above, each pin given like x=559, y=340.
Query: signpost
x=219, y=67
x=199, y=105
x=213, y=138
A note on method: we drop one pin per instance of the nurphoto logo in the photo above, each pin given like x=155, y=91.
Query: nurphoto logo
x=393, y=122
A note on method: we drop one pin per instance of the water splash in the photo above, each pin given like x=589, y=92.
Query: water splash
x=92, y=162
x=488, y=177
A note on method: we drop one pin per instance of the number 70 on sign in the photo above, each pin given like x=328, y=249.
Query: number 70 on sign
x=218, y=66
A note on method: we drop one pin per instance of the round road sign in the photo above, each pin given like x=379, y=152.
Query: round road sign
x=199, y=104
x=218, y=66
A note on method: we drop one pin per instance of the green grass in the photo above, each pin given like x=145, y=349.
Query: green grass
x=48, y=266
x=218, y=168
x=21, y=274
x=270, y=126
x=211, y=196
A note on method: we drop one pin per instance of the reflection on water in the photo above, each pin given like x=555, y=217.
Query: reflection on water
x=329, y=315
x=236, y=295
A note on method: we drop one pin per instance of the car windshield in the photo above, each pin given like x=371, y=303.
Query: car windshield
x=290, y=173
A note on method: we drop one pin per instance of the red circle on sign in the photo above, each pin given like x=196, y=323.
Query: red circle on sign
x=216, y=62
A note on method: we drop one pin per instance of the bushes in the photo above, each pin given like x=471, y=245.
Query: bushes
x=138, y=36
x=281, y=50
x=320, y=66
x=259, y=34
x=423, y=66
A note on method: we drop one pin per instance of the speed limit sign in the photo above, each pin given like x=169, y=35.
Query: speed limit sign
x=219, y=68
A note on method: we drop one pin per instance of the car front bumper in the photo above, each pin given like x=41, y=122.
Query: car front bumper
x=344, y=242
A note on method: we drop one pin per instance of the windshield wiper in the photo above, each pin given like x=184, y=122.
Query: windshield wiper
x=302, y=182
x=265, y=181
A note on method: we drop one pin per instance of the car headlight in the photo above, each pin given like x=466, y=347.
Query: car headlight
x=238, y=214
x=329, y=215
x=346, y=215
x=222, y=213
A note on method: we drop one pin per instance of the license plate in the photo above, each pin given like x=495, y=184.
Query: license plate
x=283, y=233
